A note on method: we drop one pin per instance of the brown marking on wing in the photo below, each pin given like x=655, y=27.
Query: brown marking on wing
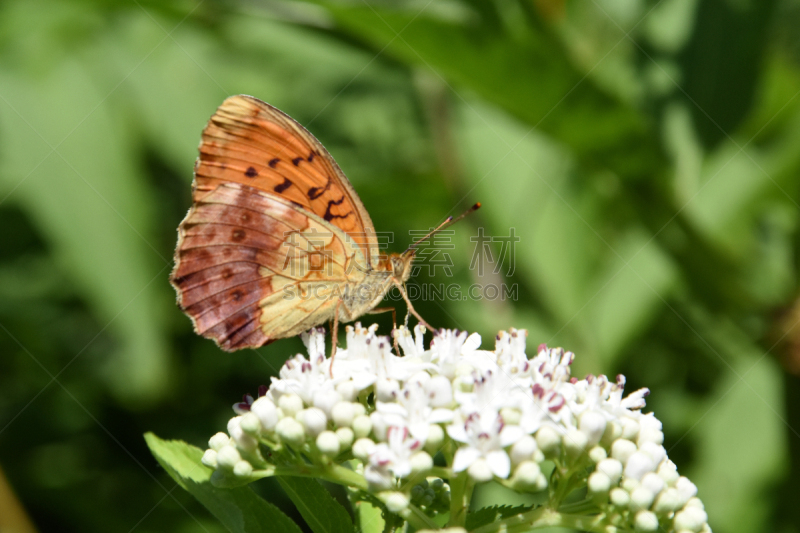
x=239, y=247
x=246, y=133
x=283, y=186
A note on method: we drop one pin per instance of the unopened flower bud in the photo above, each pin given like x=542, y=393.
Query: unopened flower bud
x=290, y=404
x=379, y=426
x=619, y=497
x=690, y=519
x=326, y=400
x=653, y=482
x=629, y=484
x=645, y=521
x=346, y=437
x=243, y=440
x=523, y=450
x=526, y=475
x=657, y=452
x=641, y=498
x=396, y=502
x=622, y=449
x=613, y=432
x=362, y=426
x=686, y=490
x=359, y=409
x=480, y=471
x=668, y=501
x=548, y=440
x=314, y=420
x=347, y=390
x=695, y=502
x=593, y=425
x=597, y=454
x=250, y=424
x=575, y=442
x=630, y=429
x=242, y=469
x=290, y=431
x=435, y=439
x=650, y=435
x=421, y=462
x=218, y=441
x=612, y=468
x=266, y=412
x=599, y=482
x=328, y=443
x=209, y=458
x=363, y=448
x=227, y=457
x=343, y=414
x=668, y=472
x=639, y=464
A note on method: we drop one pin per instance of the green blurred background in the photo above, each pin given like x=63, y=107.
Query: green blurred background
x=646, y=153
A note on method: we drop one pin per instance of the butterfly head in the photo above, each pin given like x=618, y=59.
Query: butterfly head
x=401, y=265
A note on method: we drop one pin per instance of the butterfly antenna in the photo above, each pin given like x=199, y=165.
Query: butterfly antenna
x=449, y=221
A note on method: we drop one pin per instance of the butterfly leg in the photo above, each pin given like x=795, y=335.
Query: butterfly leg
x=334, y=336
x=379, y=310
x=410, y=306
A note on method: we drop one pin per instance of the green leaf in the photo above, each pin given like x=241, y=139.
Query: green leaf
x=487, y=515
x=321, y=512
x=69, y=163
x=530, y=75
x=240, y=510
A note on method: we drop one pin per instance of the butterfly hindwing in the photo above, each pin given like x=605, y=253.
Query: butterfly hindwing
x=252, y=267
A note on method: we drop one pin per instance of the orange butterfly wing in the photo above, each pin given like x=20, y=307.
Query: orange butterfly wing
x=250, y=142
x=241, y=251
x=260, y=178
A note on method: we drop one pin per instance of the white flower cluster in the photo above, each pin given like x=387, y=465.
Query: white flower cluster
x=491, y=414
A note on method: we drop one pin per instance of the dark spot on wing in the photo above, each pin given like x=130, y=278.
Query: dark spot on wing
x=296, y=161
x=311, y=157
x=316, y=192
x=238, y=235
x=274, y=162
x=245, y=218
x=283, y=186
x=330, y=216
x=227, y=273
x=251, y=172
x=236, y=295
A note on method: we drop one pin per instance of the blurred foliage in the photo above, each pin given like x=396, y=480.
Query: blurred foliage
x=646, y=153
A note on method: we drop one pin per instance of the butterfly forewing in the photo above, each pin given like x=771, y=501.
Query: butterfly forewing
x=248, y=141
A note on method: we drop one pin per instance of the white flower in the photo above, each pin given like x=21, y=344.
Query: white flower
x=542, y=406
x=391, y=458
x=491, y=390
x=368, y=359
x=485, y=437
x=452, y=348
x=411, y=409
x=384, y=412
x=303, y=377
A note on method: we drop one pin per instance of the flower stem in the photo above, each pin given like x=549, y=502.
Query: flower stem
x=333, y=473
x=460, y=494
x=420, y=520
x=542, y=517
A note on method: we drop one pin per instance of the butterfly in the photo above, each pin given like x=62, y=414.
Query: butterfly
x=277, y=241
